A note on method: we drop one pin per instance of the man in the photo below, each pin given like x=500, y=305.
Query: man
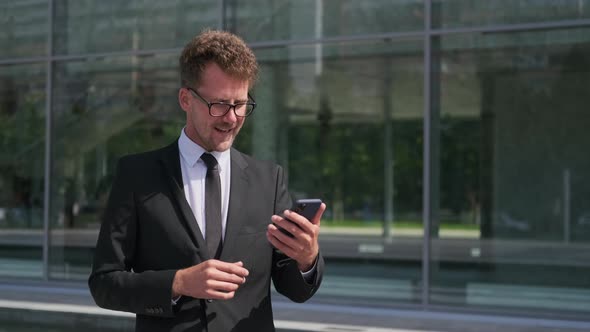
x=189, y=240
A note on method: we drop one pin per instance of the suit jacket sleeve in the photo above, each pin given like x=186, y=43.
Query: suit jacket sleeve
x=113, y=283
x=286, y=276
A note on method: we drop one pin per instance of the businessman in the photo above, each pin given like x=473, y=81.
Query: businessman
x=190, y=238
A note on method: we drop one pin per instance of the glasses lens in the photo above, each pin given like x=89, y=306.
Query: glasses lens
x=244, y=109
x=222, y=109
x=219, y=109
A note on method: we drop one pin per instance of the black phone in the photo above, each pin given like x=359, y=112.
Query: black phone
x=306, y=207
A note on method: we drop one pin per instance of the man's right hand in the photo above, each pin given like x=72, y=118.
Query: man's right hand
x=212, y=279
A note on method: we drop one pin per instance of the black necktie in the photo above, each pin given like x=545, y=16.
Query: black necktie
x=212, y=206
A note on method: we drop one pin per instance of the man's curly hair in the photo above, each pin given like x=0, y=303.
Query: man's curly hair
x=225, y=49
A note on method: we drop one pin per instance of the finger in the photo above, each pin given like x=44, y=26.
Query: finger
x=318, y=215
x=217, y=295
x=300, y=221
x=228, y=277
x=284, y=240
x=232, y=268
x=271, y=238
x=277, y=234
x=287, y=225
x=222, y=286
x=281, y=246
x=275, y=242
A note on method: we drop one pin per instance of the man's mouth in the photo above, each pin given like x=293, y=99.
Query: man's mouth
x=225, y=131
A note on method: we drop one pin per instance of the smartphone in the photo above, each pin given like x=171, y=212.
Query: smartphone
x=306, y=207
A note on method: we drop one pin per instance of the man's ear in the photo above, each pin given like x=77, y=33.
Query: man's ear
x=184, y=99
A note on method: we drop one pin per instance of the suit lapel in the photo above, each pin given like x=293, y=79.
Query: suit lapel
x=238, y=190
x=171, y=160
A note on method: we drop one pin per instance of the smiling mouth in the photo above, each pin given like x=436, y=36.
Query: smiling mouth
x=223, y=130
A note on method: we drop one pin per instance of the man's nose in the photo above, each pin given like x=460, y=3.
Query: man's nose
x=231, y=116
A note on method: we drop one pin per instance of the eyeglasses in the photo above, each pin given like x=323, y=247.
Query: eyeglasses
x=219, y=109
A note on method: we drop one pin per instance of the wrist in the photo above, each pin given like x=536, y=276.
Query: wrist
x=177, y=284
x=306, y=266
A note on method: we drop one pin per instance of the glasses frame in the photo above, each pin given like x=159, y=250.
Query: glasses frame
x=229, y=105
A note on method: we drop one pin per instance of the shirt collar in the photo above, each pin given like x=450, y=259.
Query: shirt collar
x=191, y=152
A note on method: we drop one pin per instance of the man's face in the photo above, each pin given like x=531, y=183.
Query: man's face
x=213, y=133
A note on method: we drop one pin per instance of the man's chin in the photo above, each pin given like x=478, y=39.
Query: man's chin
x=223, y=146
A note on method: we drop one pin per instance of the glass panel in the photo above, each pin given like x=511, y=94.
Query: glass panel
x=23, y=28
x=88, y=26
x=514, y=170
x=22, y=161
x=467, y=13
x=260, y=20
x=349, y=131
x=103, y=109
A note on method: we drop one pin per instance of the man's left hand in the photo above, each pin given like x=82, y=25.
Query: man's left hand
x=303, y=247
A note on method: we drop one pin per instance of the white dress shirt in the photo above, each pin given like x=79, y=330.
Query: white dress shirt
x=194, y=171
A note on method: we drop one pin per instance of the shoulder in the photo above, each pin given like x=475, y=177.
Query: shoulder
x=150, y=155
x=246, y=161
x=148, y=159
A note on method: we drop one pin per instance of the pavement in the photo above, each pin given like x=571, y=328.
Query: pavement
x=67, y=306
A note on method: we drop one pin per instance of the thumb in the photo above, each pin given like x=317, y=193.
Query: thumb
x=318, y=216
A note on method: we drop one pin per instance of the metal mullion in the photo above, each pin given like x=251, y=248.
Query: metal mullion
x=426, y=168
x=581, y=23
x=48, y=132
x=332, y=40
x=115, y=54
x=23, y=61
x=222, y=23
x=328, y=40
x=522, y=27
x=431, y=32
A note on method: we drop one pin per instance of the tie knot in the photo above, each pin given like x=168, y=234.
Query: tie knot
x=209, y=160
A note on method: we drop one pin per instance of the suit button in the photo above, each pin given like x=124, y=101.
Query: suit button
x=209, y=301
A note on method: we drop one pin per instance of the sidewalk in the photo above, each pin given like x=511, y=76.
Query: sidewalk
x=69, y=306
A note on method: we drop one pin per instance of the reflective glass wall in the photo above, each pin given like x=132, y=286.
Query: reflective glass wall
x=462, y=120
x=510, y=144
x=22, y=171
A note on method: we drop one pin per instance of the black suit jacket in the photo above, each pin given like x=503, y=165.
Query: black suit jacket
x=149, y=232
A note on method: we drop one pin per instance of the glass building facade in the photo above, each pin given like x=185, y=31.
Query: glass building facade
x=449, y=138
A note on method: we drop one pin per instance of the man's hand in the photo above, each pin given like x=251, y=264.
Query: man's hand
x=212, y=279
x=303, y=247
